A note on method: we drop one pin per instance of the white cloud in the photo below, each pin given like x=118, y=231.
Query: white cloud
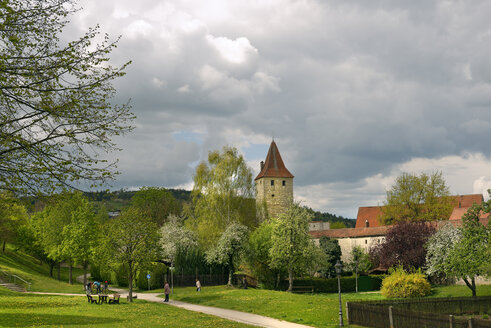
x=235, y=51
x=184, y=89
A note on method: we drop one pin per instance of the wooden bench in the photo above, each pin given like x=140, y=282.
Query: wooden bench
x=91, y=300
x=303, y=289
x=114, y=300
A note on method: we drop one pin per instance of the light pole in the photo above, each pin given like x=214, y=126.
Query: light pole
x=356, y=275
x=339, y=269
x=172, y=277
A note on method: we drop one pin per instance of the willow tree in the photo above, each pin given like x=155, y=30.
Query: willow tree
x=57, y=114
x=223, y=194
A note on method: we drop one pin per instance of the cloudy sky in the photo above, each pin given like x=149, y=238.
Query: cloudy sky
x=354, y=92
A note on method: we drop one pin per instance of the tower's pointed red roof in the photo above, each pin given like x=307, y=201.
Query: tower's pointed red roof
x=274, y=166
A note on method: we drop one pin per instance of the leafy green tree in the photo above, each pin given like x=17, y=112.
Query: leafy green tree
x=418, y=198
x=13, y=217
x=80, y=235
x=290, y=237
x=132, y=241
x=56, y=98
x=156, y=203
x=337, y=225
x=230, y=248
x=222, y=194
x=331, y=248
x=51, y=224
x=315, y=259
x=260, y=243
x=359, y=259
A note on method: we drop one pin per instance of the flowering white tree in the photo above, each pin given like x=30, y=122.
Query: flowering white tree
x=229, y=248
x=438, y=248
x=175, y=237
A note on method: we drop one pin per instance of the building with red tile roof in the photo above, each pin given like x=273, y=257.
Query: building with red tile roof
x=369, y=216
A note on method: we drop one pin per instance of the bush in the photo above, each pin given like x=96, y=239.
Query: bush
x=120, y=276
x=402, y=284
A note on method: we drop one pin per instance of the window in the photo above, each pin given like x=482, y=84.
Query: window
x=272, y=182
x=272, y=195
x=366, y=241
x=284, y=183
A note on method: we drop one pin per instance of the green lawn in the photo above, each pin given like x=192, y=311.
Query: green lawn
x=27, y=310
x=319, y=310
x=32, y=270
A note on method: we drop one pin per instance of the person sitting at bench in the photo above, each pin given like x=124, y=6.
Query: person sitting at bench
x=114, y=300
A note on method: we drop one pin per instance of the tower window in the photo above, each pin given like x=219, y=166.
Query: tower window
x=272, y=195
x=272, y=182
x=284, y=183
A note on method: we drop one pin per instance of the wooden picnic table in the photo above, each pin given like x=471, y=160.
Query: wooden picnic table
x=102, y=298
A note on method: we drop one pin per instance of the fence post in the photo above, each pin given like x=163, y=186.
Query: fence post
x=391, y=319
x=470, y=322
x=451, y=320
x=347, y=313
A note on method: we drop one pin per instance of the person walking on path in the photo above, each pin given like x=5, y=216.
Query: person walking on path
x=166, y=291
x=198, y=285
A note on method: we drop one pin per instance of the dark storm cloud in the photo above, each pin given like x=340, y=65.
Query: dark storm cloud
x=351, y=90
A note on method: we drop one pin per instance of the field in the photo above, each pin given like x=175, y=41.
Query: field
x=27, y=310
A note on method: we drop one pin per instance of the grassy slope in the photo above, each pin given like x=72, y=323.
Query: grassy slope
x=317, y=310
x=30, y=269
x=27, y=310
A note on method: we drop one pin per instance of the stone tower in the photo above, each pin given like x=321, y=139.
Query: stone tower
x=274, y=184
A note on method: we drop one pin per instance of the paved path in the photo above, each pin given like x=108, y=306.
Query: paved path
x=248, y=318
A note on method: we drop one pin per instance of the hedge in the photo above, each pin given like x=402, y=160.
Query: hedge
x=330, y=285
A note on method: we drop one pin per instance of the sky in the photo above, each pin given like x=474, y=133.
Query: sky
x=353, y=92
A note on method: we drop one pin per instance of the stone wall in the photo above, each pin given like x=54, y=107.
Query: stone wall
x=276, y=192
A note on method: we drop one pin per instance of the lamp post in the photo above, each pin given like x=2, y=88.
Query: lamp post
x=356, y=275
x=172, y=277
x=339, y=269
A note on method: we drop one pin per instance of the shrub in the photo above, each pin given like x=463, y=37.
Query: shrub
x=402, y=284
x=157, y=273
x=330, y=285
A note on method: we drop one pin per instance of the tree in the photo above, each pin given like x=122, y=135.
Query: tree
x=438, y=248
x=222, y=194
x=260, y=243
x=359, y=260
x=12, y=217
x=315, y=259
x=80, y=236
x=332, y=250
x=403, y=245
x=289, y=238
x=417, y=198
x=51, y=224
x=470, y=257
x=132, y=241
x=57, y=113
x=229, y=248
x=337, y=225
x=175, y=238
x=156, y=203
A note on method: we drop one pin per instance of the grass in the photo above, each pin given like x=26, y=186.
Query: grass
x=318, y=310
x=28, y=310
x=37, y=273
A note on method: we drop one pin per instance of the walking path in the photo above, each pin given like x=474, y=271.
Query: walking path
x=248, y=318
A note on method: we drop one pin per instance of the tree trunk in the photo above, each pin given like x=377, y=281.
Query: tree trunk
x=290, y=280
x=70, y=278
x=230, y=273
x=51, y=267
x=59, y=271
x=471, y=285
x=85, y=273
x=3, y=246
x=130, y=283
